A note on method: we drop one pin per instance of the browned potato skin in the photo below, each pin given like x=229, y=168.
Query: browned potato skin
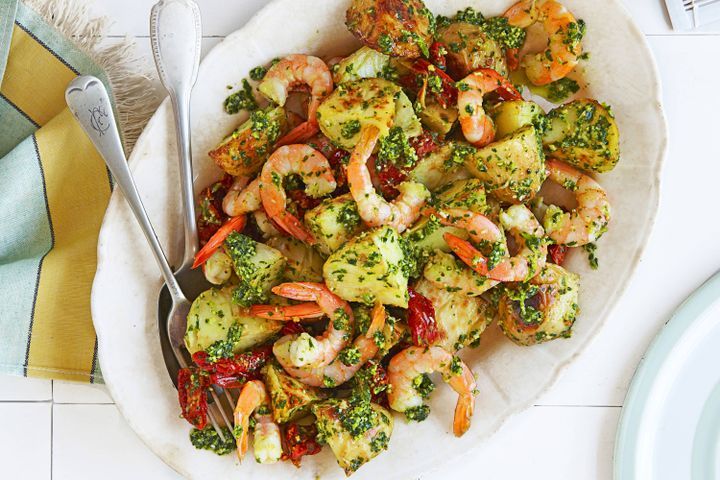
x=369, y=20
x=557, y=302
x=469, y=48
x=242, y=153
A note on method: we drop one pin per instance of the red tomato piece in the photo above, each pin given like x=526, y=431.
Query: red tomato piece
x=421, y=320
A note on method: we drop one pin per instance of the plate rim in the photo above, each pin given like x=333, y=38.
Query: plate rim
x=651, y=364
x=655, y=184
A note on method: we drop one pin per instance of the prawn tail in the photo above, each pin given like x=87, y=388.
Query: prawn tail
x=463, y=413
x=299, y=134
x=378, y=320
x=467, y=253
x=294, y=227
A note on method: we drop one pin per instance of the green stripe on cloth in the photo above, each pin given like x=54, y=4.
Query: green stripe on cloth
x=8, y=8
x=26, y=237
x=16, y=126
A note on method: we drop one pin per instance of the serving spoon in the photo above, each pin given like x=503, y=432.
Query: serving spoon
x=89, y=103
x=175, y=35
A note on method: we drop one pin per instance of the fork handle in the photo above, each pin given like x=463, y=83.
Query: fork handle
x=89, y=103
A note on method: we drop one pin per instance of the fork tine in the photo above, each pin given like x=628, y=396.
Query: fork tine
x=184, y=361
x=221, y=408
x=214, y=423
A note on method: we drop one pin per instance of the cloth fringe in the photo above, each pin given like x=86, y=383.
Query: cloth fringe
x=130, y=77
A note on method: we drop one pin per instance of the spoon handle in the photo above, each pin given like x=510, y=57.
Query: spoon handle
x=90, y=105
x=175, y=35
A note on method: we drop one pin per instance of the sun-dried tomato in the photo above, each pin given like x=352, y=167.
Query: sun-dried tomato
x=437, y=55
x=299, y=440
x=424, y=144
x=389, y=177
x=303, y=201
x=210, y=212
x=233, y=372
x=378, y=382
x=292, y=328
x=447, y=95
x=556, y=254
x=421, y=319
x=192, y=396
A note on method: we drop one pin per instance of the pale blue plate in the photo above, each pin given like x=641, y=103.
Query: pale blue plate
x=670, y=423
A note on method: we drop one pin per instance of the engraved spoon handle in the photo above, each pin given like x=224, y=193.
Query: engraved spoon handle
x=175, y=36
x=90, y=105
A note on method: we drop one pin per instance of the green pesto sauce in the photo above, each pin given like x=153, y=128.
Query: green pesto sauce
x=258, y=73
x=417, y=414
x=560, y=90
x=241, y=100
x=591, y=250
x=528, y=314
x=423, y=385
x=208, y=439
x=224, y=348
x=396, y=149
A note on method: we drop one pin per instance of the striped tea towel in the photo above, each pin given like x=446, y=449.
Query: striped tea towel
x=54, y=187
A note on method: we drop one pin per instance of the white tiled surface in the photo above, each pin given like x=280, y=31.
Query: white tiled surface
x=570, y=433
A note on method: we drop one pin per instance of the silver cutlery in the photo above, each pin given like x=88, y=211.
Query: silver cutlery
x=175, y=36
x=89, y=103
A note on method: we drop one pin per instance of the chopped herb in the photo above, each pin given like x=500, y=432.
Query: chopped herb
x=591, y=250
x=350, y=128
x=561, y=90
x=507, y=35
x=349, y=356
x=224, y=348
x=258, y=73
x=208, y=439
x=396, y=149
x=241, y=100
x=417, y=414
x=423, y=385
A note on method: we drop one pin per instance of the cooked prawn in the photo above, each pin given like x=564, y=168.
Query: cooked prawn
x=589, y=220
x=564, y=42
x=517, y=220
x=336, y=372
x=287, y=75
x=477, y=126
x=304, y=350
x=242, y=197
x=264, y=224
x=315, y=171
x=373, y=208
x=266, y=442
x=412, y=362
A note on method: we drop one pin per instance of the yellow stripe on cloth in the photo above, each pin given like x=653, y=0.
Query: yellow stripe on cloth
x=35, y=79
x=78, y=190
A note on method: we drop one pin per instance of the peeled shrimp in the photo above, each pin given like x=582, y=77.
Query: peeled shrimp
x=242, y=197
x=304, y=350
x=314, y=170
x=517, y=220
x=373, y=208
x=589, y=220
x=477, y=126
x=267, y=443
x=336, y=372
x=290, y=73
x=564, y=42
x=412, y=362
